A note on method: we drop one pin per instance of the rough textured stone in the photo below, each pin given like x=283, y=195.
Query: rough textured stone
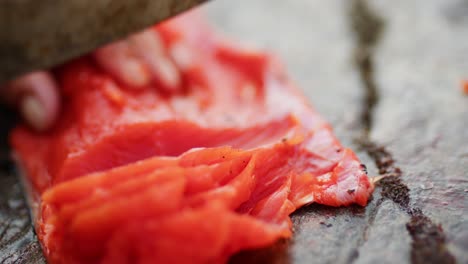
x=386, y=72
x=386, y=239
x=18, y=243
x=422, y=114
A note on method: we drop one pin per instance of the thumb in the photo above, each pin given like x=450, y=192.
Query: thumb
x=35, y=95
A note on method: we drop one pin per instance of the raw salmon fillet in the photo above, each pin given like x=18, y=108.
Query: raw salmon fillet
x=149, y=176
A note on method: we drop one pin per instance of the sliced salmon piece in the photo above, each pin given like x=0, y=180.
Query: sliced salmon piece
x=146, y=176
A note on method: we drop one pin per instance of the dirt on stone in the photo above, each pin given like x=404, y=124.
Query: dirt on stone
x=428, y=241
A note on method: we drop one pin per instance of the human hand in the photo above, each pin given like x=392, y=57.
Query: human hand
x=136, y=61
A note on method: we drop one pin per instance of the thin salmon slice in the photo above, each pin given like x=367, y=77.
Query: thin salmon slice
x=147, y=176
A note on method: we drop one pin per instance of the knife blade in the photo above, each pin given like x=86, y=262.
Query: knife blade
x=42, y=34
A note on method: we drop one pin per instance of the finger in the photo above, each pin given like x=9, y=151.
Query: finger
x=149, y=47
x=182, y=56
x=120, y=61
x=36, y=97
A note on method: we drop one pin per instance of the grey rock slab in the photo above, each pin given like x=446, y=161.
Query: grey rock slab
x=18, y=243
x=422, y=114
x=387, y=240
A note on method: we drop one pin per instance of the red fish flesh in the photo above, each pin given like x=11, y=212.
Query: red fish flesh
x=147, y=176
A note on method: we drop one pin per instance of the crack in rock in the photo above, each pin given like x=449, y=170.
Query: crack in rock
x=428, y=239
x=367, y=28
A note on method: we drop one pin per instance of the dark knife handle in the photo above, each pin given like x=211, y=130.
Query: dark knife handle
x=41, y=34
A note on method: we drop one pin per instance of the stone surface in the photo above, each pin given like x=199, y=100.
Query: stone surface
x=422, y=114
x=334, y=52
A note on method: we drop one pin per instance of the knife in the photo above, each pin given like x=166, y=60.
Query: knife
x=42, y=34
